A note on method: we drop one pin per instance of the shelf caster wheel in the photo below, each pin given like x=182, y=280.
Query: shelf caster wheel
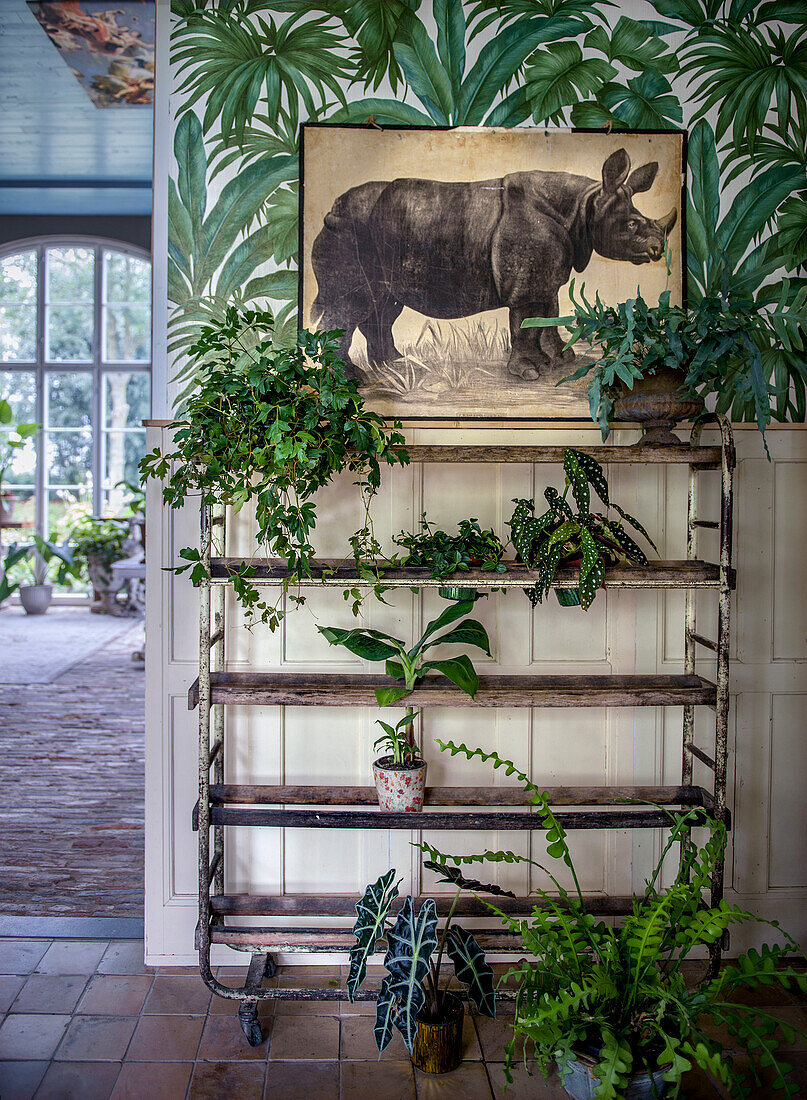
x=271, y=967
x=248, y=1019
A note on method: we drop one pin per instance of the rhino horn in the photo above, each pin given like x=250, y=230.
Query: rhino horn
x=666, y=224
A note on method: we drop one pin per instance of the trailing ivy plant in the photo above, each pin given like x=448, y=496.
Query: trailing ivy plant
x=617, y=993
x=409, y=665
x=270, y=425
x=561, y=535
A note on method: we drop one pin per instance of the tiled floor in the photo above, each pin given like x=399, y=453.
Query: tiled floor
x=87, y=1021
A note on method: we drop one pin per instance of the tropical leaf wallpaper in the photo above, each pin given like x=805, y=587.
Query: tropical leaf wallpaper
x=247, y=72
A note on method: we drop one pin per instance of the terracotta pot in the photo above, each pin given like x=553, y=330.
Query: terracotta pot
x=580, y=1081
x=658, y=404
x=438, y=1043
x=400, y=786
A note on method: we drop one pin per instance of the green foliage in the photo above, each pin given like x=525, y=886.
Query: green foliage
x=12, y=436
x=559, y=535
x=619, y=992
x=409, y=666
x=100, y=539
x=271, y=426
x=43, y=562
x=448, y=554
x=8, y=586
x=398, y=740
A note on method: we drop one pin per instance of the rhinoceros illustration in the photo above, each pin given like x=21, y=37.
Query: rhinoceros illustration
x=451, y=250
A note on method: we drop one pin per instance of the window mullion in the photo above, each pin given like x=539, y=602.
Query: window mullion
x=97, y=410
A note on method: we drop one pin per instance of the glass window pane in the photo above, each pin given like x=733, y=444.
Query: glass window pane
x=126, y=399
x=18, y=387
x=68, y=458
x=66, y=507
x=69, y=334
x=68, y=399
x=122, y=453
x=127, y=279
x=18, y=278
x=21, y=504
x=70, y=274
x=18, y=333
x=127, y=331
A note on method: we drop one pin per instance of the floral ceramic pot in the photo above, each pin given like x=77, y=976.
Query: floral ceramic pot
x=400, y=786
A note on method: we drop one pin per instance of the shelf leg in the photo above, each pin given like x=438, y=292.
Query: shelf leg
x=217, y=657
x=259, y=966
x=203, y=931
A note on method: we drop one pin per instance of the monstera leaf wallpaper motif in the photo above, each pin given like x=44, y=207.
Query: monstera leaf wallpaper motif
x=248, y=72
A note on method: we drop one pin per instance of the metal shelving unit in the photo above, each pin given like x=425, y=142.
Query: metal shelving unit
x=222, y=804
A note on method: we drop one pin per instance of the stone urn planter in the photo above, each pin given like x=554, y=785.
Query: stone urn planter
x=658, y=403
x=105, y=587
x=580, y=1081
x=438, y=1043
x=35, y=598
x=400, y=787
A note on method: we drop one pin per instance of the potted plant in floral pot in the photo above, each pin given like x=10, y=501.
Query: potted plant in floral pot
x=445, y=554
x=400, y=774
x=37, y=562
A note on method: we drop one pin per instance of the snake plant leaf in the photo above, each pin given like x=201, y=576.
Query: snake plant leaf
x=410, y=945
x=648, y=102
x=454, y=875
x=371, y=917
x=369, y=645
x=459, y=670
x=472, y=968
x=386, y=1009
x=425, y=74
x=578, y=481
x=634, y=46
x=450, y=20
x=469, y=632
x=592, y=569
x=560, y=76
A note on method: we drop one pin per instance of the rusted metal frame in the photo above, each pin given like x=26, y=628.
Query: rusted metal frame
x=217, y=663
x=203, y=805
x=689, y=612
x=702, y=756
x=707, y=643
x=214, y=865
x=214, y=752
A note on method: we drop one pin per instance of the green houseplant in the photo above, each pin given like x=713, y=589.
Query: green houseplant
x=449, y=554
x=400, y=775
x=271, y=426
x=561, y=536
x=97, y=544
x=408, y=666
x=12, y=438
x=37, y=566
x=610, y=1005
x=410, y=998
x=8, y=586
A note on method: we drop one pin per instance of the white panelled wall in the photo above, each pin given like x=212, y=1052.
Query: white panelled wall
x=622, y=632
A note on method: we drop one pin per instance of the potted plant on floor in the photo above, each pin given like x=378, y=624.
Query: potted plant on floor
x=12, y=439
x=563, y=537
x=411, y=998
x=400, y=775
x=449, y=554
x=98, y=544
x=610, y=1005
x=8, y=586
x=37, y=561
x=408, y=666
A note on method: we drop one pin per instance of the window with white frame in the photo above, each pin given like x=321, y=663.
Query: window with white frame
x=75, y=338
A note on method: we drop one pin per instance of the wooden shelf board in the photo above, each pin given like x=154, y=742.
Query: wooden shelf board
x=702, y=456
x=338, y=689
x=306, y=795
x=337, y=573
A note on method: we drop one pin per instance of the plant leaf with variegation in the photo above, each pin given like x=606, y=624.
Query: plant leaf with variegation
x=371, y=922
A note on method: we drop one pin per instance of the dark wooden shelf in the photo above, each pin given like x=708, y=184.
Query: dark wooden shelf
x=338, y=572
x=640, y=453
x=341, y=690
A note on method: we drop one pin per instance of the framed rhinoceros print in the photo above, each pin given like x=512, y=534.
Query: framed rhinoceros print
x=429, y=247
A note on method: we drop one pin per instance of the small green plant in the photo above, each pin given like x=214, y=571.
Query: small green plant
x=409, y=666
x=563, y=536
x=448, y=554
x=271, y=425
x=411, y=987
x=100, y=539
x=38, y=563
x=618, y=993
x=398, y=740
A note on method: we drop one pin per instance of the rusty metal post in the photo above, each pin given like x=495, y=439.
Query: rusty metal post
x=217, y=656
x=203, y=930
x=689, y=612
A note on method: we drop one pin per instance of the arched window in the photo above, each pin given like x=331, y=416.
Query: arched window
x=75, y=348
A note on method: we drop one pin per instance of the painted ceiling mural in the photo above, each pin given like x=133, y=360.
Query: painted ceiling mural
x=108, y=46
x=248, y=73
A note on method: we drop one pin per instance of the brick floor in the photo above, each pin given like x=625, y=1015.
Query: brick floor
x=184, y=1047
x=71, y=771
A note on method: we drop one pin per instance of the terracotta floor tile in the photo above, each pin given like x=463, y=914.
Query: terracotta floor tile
x=358, y=1008
x=493, y=1035
x=468, y=1082
x=361, y=1080
x=10, y=985
x=124, y=957
x=697, y=1085
x=19, y=1080
x=79, y=1081
x=223, y=1006
x=26, y=1037
x=115, y=995
x=288, y=1007
x=302, y=978
x=96, y=1039
x=166, y=1039
x=152, y=1081
x=182, y=995
x=309, y=1080
x=305, y=1039
x=50, y=993
x=216, y=1080
x=21, y=956
x=72, y=957
x=524, y=1086
x=358, y=1042
x=178, y=971
x=224, y=1041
